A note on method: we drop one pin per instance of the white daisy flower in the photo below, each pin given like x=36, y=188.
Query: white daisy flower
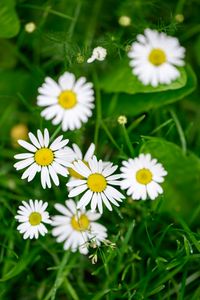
x=32, y=215
x=77, y=227
x=69, y=102
x=97, y=185
x=141, y=177
x=48, y=159
x=155, y=56
x=98, y=53
x=76, y=154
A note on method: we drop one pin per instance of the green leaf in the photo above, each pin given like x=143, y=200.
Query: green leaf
x=181, y=185
x=138, y=103
x=9, y=22
x=121, y=80
x=8, y=57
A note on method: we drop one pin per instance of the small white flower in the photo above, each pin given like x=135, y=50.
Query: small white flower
x=77, y=227
x=68, y=102
x=48, y=159
x=98, y=53
x=141, y=176
x=30, y=27
x=97, y=184
x=32, y=215
x=154, y=57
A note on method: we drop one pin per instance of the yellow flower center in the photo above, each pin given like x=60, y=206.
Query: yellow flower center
x=144, y=176
x=76, y=174
x=80, y=224
x=44, y=156
x=67, y=99
x=96, y=182
x=157, y=57
x=35, y=218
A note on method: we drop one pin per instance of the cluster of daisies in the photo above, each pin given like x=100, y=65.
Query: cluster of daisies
x=90, y=182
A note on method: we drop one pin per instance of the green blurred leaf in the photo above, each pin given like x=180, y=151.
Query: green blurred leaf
x=181, y=186
x=138, y=103
x=121, y=80
x=9, y=22
x=8, y=58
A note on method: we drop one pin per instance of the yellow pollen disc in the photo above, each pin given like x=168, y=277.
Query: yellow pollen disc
x=35, y=218
x=157, y=57
x=144, y=176
x=67, y=99
x=96, y=182
x=80, y=224
x=75, y=174
x=44, y=156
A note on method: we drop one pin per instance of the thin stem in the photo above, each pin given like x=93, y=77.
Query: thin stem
x=55, y=133
x=180, y=131
x=110, y=136
x=98, y=110
x=127, y=140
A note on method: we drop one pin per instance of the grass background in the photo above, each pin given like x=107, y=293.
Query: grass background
x=157, y=253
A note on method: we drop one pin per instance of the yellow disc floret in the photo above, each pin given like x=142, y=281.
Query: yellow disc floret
x=35, y=218
x=67, y=99
x=144, y=176
x=157, y=57
x=44, y=156
x=80, y=224
x=96, y=182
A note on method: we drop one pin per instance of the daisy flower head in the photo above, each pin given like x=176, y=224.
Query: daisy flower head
x=76, y=154
x=32, y=215
x=50, y=159
x=97, y=184
x=142, y=177
x=155, y=57
x=77, y=227
x=98, y=53
x=69, y=102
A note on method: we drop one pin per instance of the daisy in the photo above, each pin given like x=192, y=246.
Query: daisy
x=69, y=102
x=48, y=159
x=97, y=184
x=155, y=56
x=77, y=227
x=76, y=154
x=32, y=215
x=141, y=177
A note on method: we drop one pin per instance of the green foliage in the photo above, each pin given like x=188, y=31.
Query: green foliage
x=9, y=22
x=154, y=250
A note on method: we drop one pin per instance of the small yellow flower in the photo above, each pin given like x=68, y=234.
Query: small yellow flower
x=179, y=18
x=18, y=132
x=124, y=21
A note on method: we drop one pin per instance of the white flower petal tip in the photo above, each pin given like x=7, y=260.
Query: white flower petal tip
x=69, y=102
x=96, y=184
x=141, y=177
x=48, y=160
x=154, y=58
x=31, y=216
x=77, y=228
x=98, y=53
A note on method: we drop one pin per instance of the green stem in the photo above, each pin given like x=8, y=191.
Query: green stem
x=92, y=23
x=55, y=133
x=98, y=110
x=110, y=136
x=127, y=140
x=180, y=131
